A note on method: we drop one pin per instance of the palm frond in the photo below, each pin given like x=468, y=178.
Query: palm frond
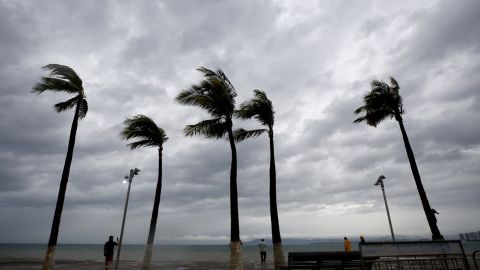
x=219, y=76
x=83, y=108
x=212, y=129
x=372, y=118
x=142, y=143
x=55, y=85
x=359, y=119
x=65, y=73
x=360, y=109
x=207, y=72
x=231, y=90
x=245, y=112
x=242, y=134
x=66, y=105
x=394, y=84
x=141, y=126
x=215, y=94
x=377, y=84
x=395, y=87
x=194, y=96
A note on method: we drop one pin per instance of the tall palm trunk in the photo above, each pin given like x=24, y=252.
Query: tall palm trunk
x=278, y=256
x=49, y=259
x=235, y=244
x=147, y=260
x=432, y=221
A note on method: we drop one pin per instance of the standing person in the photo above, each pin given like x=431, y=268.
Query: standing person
x=108, y=251
x=263, y=250
x=347, y=244
x=362, y=239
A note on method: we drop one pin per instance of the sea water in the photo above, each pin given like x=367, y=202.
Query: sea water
x=161, y=253
x=168, y=253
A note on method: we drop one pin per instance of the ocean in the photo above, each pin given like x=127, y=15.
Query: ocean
x=168, y=253
x=162, y=253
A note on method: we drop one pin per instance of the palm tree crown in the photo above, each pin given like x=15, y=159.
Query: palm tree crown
x=381, y=102
x=141, y=126
x=216, y=95
x=64, y=79
x=260, y=108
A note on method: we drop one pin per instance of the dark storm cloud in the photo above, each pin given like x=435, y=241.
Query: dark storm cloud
x=315, y=62
x=450, y=28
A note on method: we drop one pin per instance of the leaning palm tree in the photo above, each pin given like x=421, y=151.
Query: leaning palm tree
x=149, y=134
x=216, y=95
x=62, y=79
x=261, y=108
x=384, y=101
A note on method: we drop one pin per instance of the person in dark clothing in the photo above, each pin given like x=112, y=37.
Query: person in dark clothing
x=362, y=239
x=108, y=251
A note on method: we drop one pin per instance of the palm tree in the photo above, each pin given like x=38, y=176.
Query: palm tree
x=384, y=101
x=62, y=79
x=149, y=134
x=261, y=108
x=216, y=95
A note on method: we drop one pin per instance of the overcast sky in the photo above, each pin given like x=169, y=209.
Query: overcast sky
x=314, y=59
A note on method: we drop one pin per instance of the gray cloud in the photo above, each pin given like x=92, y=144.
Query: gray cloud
x=315, y=62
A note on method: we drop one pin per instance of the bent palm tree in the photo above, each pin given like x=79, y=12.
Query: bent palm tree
x=384, y=101
x=216, y=95
x=149, y=134
x=62, y=79
x=261, y=108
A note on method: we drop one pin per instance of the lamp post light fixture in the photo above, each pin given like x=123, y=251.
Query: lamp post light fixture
x=127, y=178
x=380, y=183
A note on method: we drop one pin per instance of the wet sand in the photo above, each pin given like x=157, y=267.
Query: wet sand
x=33, y=264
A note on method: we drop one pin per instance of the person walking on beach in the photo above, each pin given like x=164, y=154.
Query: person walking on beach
x=108, y=251
x=347, y=244
x=263, y=250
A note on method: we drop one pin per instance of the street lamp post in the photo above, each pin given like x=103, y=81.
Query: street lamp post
x=128, y=178
x=380, y=182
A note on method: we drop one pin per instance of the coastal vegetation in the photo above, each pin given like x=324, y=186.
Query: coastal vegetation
x=261, y=108
x=148, y=134
x=216, y=95
x=62, y=79
x=382, y=102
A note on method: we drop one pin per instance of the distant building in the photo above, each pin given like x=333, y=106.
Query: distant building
x=471, y=236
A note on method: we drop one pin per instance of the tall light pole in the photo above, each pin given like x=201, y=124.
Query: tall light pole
x=128, y=178
x=380, y=182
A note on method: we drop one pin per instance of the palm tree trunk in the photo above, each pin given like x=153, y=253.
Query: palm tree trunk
x=49, y=259
x=235, y=256
x=432, y=221
x=147, y=259
x=235, y=243
x=278, y=256
x=235, y=230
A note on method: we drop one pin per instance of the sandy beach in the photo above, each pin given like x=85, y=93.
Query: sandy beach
x=34, y=264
